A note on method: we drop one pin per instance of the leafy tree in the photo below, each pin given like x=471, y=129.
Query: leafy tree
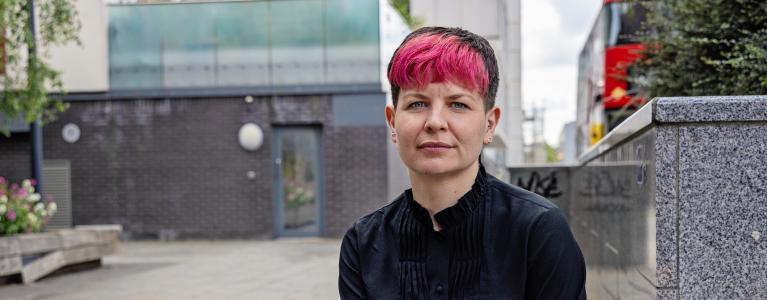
x=703, y=47
x=551, y=153
x=403, y=8
x=26, y=77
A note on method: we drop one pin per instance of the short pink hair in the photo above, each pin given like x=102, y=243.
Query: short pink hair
x=440, y=57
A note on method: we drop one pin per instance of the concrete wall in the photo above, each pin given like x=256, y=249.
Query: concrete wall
x=613, y=219
x=85, y=67
x=672, y=203
x=550, y=181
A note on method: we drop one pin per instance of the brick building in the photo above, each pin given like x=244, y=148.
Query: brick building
x=160, y=96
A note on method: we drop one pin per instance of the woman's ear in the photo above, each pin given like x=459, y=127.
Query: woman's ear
x=492, y=116
x=389, y=112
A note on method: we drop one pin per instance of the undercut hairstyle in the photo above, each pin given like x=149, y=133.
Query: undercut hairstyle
x=439, y=54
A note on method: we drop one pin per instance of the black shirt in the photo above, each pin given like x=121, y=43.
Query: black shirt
x=497, y=242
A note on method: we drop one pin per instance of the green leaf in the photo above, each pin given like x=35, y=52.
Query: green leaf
x=24, y=82
x=12, y=229
x=703, y=47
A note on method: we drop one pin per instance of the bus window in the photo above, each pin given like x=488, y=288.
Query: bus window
x=624, y=23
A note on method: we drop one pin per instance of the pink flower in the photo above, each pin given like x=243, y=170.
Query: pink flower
x=33, y=181
x=2, y=179
x=11, y=215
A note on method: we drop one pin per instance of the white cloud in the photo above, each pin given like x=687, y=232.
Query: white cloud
x=539, y=21
x=552, y=88
x=553, y=33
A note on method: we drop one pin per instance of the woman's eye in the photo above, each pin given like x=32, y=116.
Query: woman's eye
x=458, y=105
x=417, y=104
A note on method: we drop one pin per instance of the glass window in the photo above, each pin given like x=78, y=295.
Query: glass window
x=625, y=22
x=248, y=43
x=242, y=34
x=352, y=41
x=297, y=42
x=298, y=181
x=135, y=55
x=188, y=52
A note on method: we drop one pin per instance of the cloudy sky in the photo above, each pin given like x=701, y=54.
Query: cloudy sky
x=553, y=33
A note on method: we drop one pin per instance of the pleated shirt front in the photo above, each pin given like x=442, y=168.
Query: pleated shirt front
x=496, y=242
x=442, y=264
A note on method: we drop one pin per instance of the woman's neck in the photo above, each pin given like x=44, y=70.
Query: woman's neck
x=435, y=193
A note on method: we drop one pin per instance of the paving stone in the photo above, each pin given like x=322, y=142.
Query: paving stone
x=278, y=269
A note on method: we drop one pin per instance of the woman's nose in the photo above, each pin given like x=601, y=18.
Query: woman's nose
x=436, y=120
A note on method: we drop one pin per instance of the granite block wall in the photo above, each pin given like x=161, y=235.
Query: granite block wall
x=722, y=211
x=713, y=211
x=672, y=204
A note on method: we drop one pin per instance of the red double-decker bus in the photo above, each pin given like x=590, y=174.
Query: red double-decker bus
x=605, y=98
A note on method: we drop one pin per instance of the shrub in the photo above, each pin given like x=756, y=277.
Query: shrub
x=21, y=209
x=703, y=47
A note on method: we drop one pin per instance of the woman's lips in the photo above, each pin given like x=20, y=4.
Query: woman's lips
x=434, y=147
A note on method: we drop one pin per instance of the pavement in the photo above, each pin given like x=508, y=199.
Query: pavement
x=305, y=268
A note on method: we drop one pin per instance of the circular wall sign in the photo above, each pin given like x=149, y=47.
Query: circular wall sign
x=70, y=133
x=251, y=136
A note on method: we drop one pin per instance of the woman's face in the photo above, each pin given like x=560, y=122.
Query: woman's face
x=440, y=129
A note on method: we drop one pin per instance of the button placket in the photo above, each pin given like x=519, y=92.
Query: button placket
x=438, y=265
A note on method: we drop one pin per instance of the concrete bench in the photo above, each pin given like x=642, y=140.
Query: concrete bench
x=38, y=254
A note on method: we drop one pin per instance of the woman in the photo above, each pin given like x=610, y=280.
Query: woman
x=459, y=233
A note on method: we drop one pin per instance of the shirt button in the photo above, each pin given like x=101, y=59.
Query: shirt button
x=440, y=288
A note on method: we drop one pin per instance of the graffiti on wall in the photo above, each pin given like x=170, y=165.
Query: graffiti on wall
x=546, y=186
x=613, y=182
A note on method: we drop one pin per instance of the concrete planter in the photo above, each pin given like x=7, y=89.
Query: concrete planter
x=38, y=254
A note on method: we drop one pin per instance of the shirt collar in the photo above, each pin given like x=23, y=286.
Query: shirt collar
x=454, y=215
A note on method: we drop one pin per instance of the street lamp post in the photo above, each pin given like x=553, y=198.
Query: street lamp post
x=35, y=128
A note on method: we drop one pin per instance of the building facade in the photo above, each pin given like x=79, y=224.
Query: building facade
x=499, y=22
x=218, y=119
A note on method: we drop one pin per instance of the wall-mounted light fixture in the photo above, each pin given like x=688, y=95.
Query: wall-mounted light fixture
x=70, y=133
x=251, y=137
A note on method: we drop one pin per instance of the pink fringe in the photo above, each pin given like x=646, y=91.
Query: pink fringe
x=435, y=58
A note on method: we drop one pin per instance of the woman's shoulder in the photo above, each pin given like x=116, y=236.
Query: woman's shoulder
x=379, y=217
x=525, y=214
x=521, y=203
